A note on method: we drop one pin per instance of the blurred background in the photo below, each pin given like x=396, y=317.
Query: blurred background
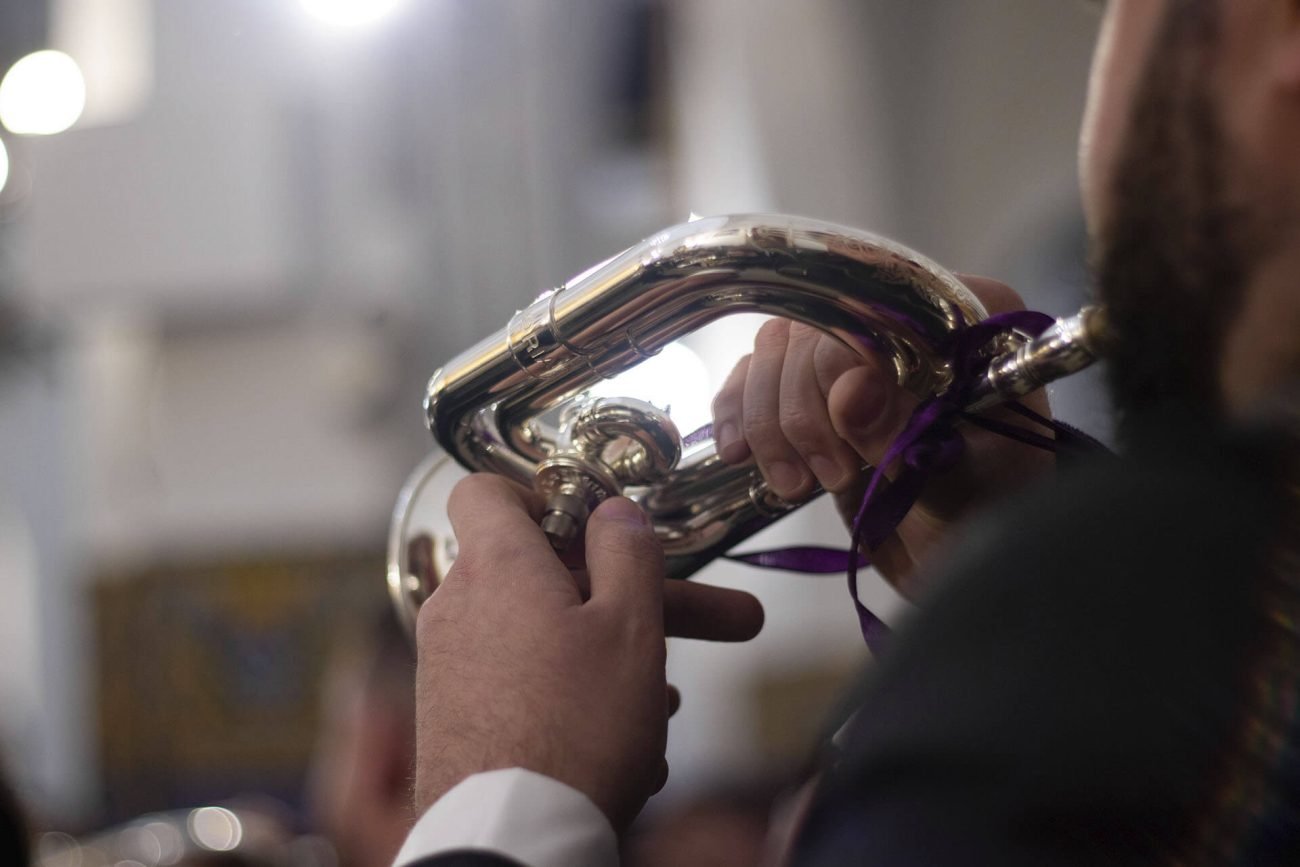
x=236, y=237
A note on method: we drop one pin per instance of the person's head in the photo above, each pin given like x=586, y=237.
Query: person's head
x=360, y=786
x=1190, y=166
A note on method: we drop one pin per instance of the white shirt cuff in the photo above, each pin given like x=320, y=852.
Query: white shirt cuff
x=520, y=814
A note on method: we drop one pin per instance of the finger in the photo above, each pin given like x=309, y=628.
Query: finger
x=805, y=421
x=991, y=463
x=867, y=407
x=831, y=360
x=728, y=406
x=777, y=459
x=996, y=296
x=868, y=410
x=693, y=610
x=674, y=699
x=663, y=775
x=890, y=556
x=625, y=563
x=992, y=459
x=490, y=515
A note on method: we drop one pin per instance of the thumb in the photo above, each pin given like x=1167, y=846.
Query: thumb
x=624, y=559
x=866, y=406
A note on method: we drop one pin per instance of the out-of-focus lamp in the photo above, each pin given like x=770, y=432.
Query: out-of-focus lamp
x=4, y=166
x=42, y=94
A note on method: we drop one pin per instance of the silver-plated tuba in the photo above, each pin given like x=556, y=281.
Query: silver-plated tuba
x=517, y=403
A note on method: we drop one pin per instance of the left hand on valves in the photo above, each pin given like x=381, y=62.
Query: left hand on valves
x=525, y=662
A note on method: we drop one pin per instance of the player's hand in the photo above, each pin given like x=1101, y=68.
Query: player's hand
x=526, y=662
x=808, y=410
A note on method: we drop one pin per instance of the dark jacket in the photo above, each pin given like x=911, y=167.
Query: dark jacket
x=1106, y=674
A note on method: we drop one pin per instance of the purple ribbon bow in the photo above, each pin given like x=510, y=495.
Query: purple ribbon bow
x=929, y=443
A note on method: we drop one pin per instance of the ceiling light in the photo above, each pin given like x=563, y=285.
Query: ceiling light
x=42, y=94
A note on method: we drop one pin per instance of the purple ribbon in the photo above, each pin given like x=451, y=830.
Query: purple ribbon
x=929, y=443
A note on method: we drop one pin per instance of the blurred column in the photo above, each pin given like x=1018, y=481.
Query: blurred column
x=780, y=106
x=112, y=42
x=47, y=718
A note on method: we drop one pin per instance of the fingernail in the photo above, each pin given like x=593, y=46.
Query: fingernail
x=827, y=471
x=784, y=477
x=623, y=509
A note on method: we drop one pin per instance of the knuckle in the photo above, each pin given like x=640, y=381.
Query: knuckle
x=800, y=427
x=802, y=333
x=772, y=336
x=831, y=358
x=762, y=428
x=473, y=487
x=997, y=296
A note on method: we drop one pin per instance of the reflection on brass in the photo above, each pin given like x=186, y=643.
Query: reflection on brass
x=498, y=406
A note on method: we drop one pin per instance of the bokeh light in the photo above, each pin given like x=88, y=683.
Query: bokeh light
x=4, y=165
x=42, y=94
x=215, y=828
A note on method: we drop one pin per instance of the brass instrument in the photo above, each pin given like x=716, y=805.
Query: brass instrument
x=516, y=403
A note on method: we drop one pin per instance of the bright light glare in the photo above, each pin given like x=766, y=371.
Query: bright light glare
x=675, y=380
x=42, y=94
x=350, y=13
x=4, y=166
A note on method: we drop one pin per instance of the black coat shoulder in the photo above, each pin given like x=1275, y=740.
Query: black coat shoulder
x=1071, y=691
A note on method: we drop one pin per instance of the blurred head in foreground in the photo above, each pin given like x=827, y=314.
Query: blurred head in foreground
x=1190, y=164
x=360, y=784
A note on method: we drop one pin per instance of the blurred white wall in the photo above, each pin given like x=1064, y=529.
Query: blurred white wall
x=251, y=273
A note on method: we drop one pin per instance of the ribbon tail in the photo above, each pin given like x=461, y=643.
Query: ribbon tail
x=812, y=559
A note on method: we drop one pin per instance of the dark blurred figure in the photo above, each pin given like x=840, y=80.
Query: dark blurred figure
x=725, y=828
x=15, y=846
x=360, y=784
